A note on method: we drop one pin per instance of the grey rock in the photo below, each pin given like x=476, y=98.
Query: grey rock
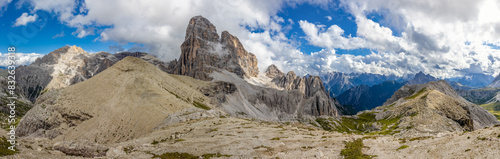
x=272, y=71
x=81, y=148
x=202, y=51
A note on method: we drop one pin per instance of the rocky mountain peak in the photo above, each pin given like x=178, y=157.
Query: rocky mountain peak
x=421, y=78
x=272, y=71
x=200, y=27
x=246, y=60
x=75, y=49
x=203, y=51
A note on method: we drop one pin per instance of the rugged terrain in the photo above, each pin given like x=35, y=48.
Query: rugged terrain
x=230, y=137
x=67, y=66
x=213, y=102
x=416, y=110
x=208, y=57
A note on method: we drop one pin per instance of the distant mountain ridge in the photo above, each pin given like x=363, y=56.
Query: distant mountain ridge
x=337, y=83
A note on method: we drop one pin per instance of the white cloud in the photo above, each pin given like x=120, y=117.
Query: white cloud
x=25, y=19
x=21, y=59
x=437, y=37
x=329, y=18
x=3, y=6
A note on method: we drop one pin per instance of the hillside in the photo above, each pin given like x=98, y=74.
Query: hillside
x=416, y=110
x=126, y=101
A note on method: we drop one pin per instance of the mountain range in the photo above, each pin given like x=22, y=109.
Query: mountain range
x=214, y=102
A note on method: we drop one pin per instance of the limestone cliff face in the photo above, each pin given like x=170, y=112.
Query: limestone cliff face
x=203, y=50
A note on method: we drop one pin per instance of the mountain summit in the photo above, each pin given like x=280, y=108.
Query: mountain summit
x=203, y=50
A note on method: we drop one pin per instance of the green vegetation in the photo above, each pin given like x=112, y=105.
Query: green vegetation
x=402, y=147
x=362, y=124
x=200, y=105
x=276, y=138
x=4, y=147
x=481, y=138
x=154, y=142
x=21, y=109
x=416, y=94
x=175, y=155
x=467, y=150
x=493, y=108
x=352, y=150
x=420, y=138
x=179, y=140
x=211, y=155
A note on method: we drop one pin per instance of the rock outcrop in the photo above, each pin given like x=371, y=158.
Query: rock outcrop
x=203, y=50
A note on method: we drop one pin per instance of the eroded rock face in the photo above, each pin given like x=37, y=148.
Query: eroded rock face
x=203, y=50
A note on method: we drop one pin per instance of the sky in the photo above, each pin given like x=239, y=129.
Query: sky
x=445, y=38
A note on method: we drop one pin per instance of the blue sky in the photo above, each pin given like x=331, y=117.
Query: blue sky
x=306, y=36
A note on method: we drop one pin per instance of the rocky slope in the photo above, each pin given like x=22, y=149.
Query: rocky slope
x=436, y=107
x=416, y=110
x=229, y=137
x=479, y=96
x=125, y=101
x=67, y=66
x=207, y=57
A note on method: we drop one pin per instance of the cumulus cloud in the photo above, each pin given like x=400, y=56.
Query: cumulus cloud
x=21, y=59
x=436, y=37
x=25, y=19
